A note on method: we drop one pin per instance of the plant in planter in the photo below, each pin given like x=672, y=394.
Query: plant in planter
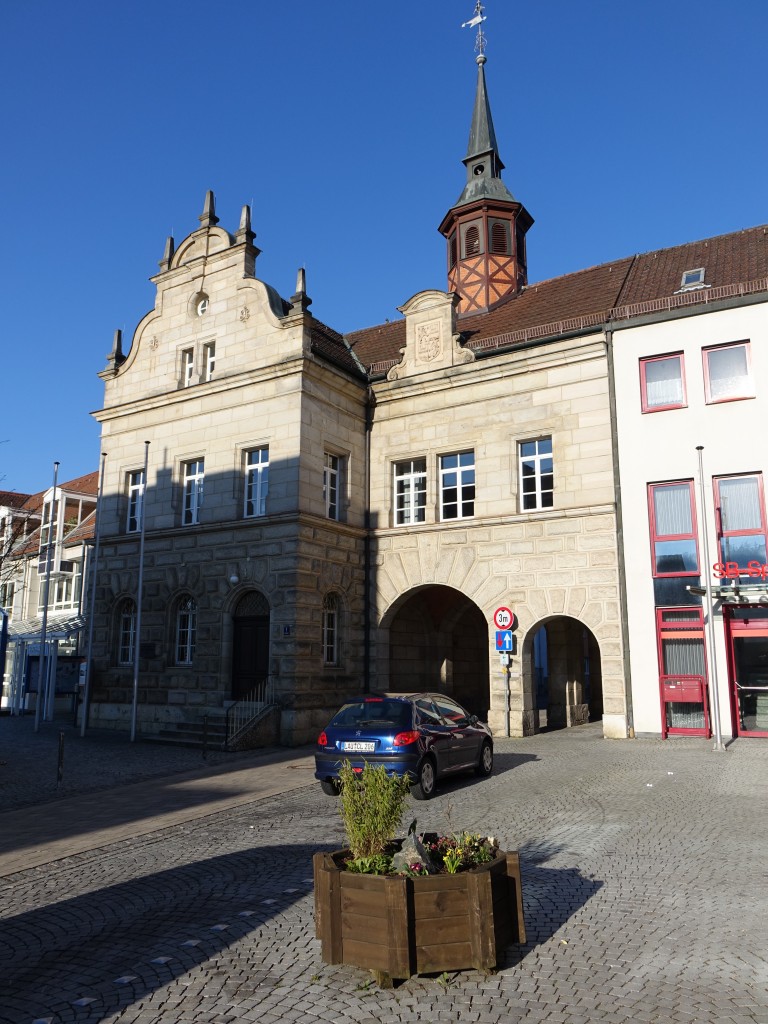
x=411, y=906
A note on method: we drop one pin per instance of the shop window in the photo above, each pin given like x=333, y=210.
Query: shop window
x=674, y=546
x=662, y=383
x=740, y=510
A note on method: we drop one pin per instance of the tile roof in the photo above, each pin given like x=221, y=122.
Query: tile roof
x=332, y=346
x=622, y=288
x=11, y=499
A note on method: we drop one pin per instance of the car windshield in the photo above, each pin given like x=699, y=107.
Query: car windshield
x=373, y=714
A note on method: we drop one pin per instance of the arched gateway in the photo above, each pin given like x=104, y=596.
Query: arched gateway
x=438, y=640
x=562, y=673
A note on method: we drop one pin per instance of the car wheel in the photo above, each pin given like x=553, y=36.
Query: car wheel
x=329, y=787
x=424, y=787
x=485, y=764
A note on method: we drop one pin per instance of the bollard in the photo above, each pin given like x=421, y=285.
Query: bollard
x=60, y=769
x=205, y=737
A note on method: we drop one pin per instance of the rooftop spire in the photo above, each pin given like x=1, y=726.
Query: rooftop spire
x=208, y=217
x=483, y=163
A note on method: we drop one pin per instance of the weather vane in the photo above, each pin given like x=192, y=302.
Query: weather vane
x=477, y=19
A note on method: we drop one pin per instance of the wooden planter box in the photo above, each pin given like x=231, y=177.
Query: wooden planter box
x=397, y=926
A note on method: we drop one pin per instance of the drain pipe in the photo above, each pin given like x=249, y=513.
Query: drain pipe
x=369, y=407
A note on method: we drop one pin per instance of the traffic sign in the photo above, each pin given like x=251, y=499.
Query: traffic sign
x=503, y=618
x=505, y=640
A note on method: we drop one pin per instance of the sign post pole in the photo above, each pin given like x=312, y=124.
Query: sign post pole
x=504, y=621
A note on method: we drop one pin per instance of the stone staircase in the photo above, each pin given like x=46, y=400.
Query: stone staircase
x=210, y=732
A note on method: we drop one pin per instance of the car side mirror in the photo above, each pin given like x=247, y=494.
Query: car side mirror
x=473, y=719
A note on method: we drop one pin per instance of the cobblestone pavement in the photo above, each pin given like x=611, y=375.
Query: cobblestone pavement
x=644, y=881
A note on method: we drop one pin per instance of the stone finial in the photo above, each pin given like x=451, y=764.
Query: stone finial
x=244, y=233
x=208, y=217
x=116, y=358
x=165, y=262
x=301, y=301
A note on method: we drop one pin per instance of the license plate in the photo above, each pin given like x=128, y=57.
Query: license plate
x=357, y=745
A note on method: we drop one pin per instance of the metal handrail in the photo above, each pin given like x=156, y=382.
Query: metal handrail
x=760, y=689
x=242, y=713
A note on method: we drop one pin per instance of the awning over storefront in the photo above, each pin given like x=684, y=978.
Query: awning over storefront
x=56, y=628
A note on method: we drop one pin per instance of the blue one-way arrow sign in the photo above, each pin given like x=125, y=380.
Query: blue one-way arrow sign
x=505, y=640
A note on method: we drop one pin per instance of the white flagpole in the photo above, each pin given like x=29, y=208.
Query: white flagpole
x=715, y=702
x=137, y=634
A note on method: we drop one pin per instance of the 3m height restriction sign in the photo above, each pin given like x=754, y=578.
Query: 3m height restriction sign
x=503, y=618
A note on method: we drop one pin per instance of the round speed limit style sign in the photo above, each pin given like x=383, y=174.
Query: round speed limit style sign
x=503, y=618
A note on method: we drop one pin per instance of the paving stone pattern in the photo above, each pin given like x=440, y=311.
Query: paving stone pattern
x=644, y=875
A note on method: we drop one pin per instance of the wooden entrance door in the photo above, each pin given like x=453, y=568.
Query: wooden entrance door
x=250, y=652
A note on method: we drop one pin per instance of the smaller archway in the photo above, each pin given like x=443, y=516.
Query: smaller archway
x=564, y=677
x=250, y=644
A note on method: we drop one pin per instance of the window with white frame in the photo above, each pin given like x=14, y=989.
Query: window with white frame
x=186, y=631
x=331, y=629
x=135, y=488
x=333, y=480
x=6, y=596
x=193, y=476
x=727, y=372
x=126, y=632
x=410, y=491
x=662, y=383
x=537, y=480
x=209, y=360
x=457, y=485
x=187, y=366
x=256, y=482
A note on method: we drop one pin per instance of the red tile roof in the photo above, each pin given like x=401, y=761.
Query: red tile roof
x=596, y=295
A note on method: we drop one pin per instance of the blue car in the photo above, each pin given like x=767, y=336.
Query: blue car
x=424, y=736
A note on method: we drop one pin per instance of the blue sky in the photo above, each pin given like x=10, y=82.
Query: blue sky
x=624, y=127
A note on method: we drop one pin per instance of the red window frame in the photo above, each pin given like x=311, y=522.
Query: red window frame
x=661, y=537
x=723, y=534
x=749, y=393
x=683, y=404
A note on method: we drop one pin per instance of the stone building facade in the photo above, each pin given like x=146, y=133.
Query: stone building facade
x=300, y=515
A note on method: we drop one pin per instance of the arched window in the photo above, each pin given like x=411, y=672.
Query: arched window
x=331, y=629
x=472, y=241
x=500, y=238
x=126, y=632
x=186, y=631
